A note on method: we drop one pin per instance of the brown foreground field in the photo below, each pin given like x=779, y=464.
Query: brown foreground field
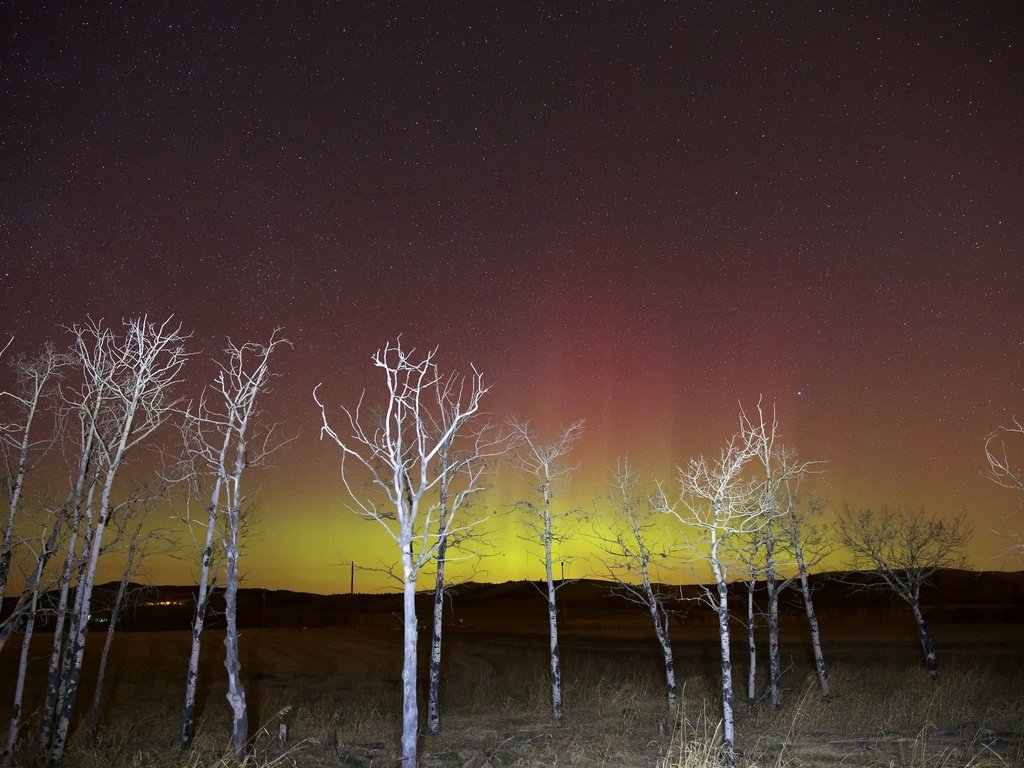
x=338, y=691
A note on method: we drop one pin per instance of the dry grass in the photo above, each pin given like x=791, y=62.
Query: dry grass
x=339, y=697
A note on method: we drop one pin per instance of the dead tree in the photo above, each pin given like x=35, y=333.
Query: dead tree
x=718, y=499
x=22, y=448
x=1004, y=470
x=399, y=452
x=42, y=551
x=807, y=546
x=139, y=544
x=779, y=476
x=544, y=462
x=132, y=379
x=461, y=463
x=899, y=551
x=222, y=441
x=628, y=559
x=751, y=553
x=74, y=510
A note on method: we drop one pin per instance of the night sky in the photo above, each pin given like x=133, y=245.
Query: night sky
x=636, y=214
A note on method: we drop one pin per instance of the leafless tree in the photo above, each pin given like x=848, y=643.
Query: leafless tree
x=750, y=551
x=399, y=452
x=139, y=541
x=719, y=499
x=76, y=506
x=628, y=556
x=223, y=439
x=900, y=550
x=42, y=550
x=1005, y=470
x=807, y=545
x=130, y=379
x=461, y=463
x=23, y=449
x=544, y=461
x=779, y=476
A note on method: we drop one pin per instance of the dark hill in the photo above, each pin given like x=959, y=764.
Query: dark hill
x=957, y=596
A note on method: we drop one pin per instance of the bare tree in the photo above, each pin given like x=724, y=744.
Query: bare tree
x=131, y=378
x=544, y=462
x=79, y=500
x=399, y=452
x=780, y=475
x=628, y=560
x=752, y=553
x=42, y=551
x=23, y=449
x=221, y=443
x=900, y=550
x=720, y=501
x=808, y=546
x=139, y=544
x=1003, y=469
x=461, y=463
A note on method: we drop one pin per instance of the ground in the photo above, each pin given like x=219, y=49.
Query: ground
x=337, y=691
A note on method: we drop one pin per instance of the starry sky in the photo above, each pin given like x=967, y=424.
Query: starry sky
x=637, y=214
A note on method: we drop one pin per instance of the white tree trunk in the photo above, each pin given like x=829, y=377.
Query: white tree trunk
x=751, y=649
x=722, y=609
x=556, y=665
x=14, y=729
x=236, y=691
x=410, y=707
x=433, y=696
x=93, y=718
x=48, y=712
x=188, y=710
x=812, y=621
x=74, y=653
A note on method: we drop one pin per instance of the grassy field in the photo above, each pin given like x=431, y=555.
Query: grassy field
x=338, y=692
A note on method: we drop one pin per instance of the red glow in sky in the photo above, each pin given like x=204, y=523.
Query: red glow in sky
x=631, y=215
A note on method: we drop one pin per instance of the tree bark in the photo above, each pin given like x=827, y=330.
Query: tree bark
x=661, y=629
x=728, y=715
x=556, y=665
x=410, y=707
x=812, y=621
x=931, y=663
x=188, y=710
x=92, y=721
x=236, y=691
x=751, y=648
x=48, y=712
x=774, y=663
x=14, y=729
x=433, y=696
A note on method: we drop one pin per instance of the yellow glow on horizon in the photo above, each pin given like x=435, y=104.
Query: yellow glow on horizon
x=306, y=536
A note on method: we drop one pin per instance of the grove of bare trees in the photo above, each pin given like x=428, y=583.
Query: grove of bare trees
x=89, y=411
x=415, y=453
